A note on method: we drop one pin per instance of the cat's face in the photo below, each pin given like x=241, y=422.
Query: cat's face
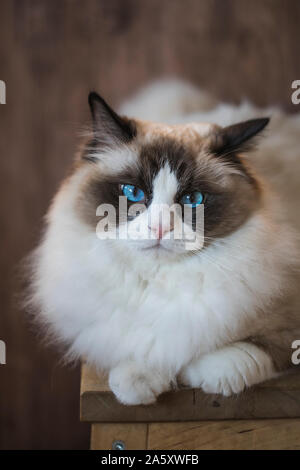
x=165, y=190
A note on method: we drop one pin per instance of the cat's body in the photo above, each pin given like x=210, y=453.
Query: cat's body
x=221, y=318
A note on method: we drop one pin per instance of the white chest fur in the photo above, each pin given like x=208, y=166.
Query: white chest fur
x=110, y=307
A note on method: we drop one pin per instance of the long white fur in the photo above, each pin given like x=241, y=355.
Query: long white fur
x=146, y=319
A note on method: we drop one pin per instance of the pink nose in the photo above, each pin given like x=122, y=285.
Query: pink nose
x=159, y=231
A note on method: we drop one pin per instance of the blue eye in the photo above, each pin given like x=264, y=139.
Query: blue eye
x=193, y=199
x=132, y=192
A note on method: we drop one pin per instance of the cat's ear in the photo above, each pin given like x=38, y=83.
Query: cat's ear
x=109, y=128
x=238, y=137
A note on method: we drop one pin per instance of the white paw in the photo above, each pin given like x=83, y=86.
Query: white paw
x=132, y=386
x=229, y=370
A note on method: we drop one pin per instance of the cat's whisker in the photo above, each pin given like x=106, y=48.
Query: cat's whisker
x=216, y=263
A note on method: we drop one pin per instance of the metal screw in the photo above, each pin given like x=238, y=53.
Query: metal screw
x=118, y=445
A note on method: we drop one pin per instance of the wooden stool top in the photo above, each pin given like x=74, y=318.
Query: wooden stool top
x=278, y=398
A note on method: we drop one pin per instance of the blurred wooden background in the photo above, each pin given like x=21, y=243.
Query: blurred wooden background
x=51, y=54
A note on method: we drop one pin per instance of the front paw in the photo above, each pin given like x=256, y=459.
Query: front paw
x=132, y=386
x=229, y=370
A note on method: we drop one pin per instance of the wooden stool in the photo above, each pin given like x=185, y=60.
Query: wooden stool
x=264, y=417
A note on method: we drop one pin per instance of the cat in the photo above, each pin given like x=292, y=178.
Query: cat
x=145, y=308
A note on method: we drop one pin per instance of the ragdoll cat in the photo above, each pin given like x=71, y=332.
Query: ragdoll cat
x=151, y=312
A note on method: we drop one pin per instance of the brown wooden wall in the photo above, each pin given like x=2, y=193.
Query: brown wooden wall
x=51, y=54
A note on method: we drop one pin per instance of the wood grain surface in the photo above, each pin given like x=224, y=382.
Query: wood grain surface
x=263, y=434
x=133, y=435
x=51, y=54
x=277, y=398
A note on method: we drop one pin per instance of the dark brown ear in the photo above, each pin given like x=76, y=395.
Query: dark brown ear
x=109, y=128
x=238, y=137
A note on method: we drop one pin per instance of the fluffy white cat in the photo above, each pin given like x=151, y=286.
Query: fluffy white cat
x=145, y=309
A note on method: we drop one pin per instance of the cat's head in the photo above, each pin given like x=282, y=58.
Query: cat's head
x=165, y=190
